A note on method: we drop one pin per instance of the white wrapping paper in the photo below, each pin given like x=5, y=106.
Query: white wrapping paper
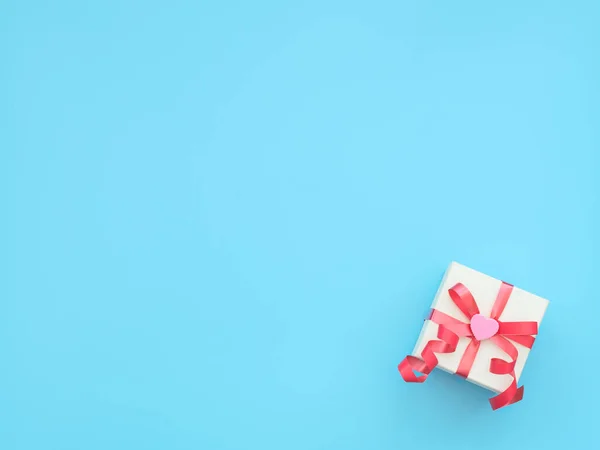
x=521, y=306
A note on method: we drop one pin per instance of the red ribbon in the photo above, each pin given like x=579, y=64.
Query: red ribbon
x=451, y=329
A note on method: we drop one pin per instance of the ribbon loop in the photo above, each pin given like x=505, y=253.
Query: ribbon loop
x=517, y=328
x=525, y=341
x=463, y=298
x=456, y=326
x=501, y=300
x=501, y=367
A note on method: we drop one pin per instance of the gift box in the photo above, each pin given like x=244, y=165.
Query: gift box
x=479, y=328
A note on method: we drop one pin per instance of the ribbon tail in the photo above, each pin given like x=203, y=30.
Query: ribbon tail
x=466, y=362
x=446, y=343
x=508, y=397
x=512, y=394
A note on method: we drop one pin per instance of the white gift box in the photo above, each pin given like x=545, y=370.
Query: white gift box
x=521, y=306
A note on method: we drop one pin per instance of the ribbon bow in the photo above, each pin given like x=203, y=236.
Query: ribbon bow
x=449, y=331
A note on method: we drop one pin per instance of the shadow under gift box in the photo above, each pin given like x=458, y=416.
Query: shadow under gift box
x=521, y=306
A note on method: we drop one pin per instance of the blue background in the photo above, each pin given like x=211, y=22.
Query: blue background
x=222, y=222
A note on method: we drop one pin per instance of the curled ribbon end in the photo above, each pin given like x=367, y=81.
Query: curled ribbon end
x=409, y=365
x=508, y=397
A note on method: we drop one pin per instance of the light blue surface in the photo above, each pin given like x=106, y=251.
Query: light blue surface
x=222, y=223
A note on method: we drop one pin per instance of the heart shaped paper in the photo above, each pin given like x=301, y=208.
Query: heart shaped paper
x=483, y=327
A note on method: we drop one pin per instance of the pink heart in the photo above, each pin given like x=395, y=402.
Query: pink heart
x=483, y=327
